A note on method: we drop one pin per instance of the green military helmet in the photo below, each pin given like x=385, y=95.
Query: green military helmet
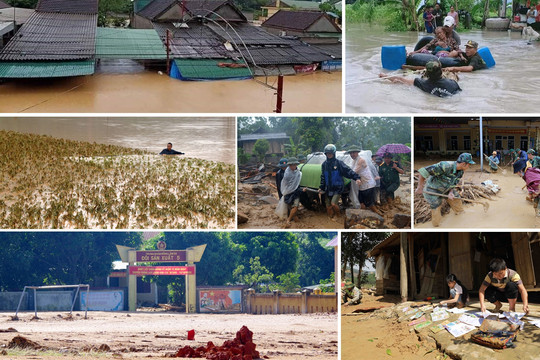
x=282, y=162
x=353, y=148
x=293, y=161
x=301, y=157
x=330, y=148
x=465, y=158
x=531, y=151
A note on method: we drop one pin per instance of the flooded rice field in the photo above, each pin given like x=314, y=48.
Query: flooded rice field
x=510, y=86
x=208, y=138
x=147, y=91
x=509, y=209
x=55, y=183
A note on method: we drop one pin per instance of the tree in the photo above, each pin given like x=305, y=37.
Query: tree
x=289, y=282
x=59, y=258
x=260, y=148
x=315, y=132
x=258, y=278
x=315, y=262
x=354, y=248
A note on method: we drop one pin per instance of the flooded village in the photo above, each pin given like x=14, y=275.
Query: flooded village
x=167, y=56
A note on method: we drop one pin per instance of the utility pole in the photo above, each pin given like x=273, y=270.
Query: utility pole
x=279, y=94
x=168, y=33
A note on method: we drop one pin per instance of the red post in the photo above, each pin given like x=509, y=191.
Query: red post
x=168, y=51
x=279, y=94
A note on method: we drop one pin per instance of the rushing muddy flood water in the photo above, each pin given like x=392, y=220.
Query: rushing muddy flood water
x=147, y=91
x=509, y=209
x=209, y=138
x=510, y=86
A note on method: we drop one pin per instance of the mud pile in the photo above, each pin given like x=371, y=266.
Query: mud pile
x=240, y=348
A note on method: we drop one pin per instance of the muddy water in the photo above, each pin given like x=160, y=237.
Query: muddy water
x=508, y=87
x=209, y=138
x=148, y=91
x=510, y=209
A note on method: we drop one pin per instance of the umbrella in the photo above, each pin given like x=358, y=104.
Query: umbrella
x=393, y=149
x=333, y=242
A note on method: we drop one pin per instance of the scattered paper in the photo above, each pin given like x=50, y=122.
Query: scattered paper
x=405, y=309
x=439, y=315
x=426, y=308
x=456, y=310
x=422, y=325
x=471, y=319
x=416, y=315
x=458, y=328
x=418, y=321
x=515, y=318
x=535, y=322
x=437, y=328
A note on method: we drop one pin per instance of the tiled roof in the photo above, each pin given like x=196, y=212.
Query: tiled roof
x=114, y=43
x=195, y=42
x=53, y=36
x=68, y=6
x=4, y=5
x=45, y=69
x=249, y=34
x=155, y=8
x=296, y=20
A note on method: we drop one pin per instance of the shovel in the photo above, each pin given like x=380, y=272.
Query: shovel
x=484, y=204
x=498, y=167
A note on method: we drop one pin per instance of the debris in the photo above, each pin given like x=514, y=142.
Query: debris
x=369, y=309
x=402, y=221
x=241, y=348
x=104, y=348
x=8, y=330
x=242, y=218
x=359, y=218
x=269, y=200
x=261, y=189
x=23, y=343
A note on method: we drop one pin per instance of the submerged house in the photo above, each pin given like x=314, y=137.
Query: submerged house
x=213, y=40
x=415, y=265
x=57, y=40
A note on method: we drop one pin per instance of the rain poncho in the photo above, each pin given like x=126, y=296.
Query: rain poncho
x=289, y=185
x=367, y=176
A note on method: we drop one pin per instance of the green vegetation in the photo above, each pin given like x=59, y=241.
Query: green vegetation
x=402, y=15
x=311, y=134
x=56, y=183
x=260, y=148
x=354, y=248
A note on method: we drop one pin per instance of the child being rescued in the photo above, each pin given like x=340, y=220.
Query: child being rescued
x=459, y=295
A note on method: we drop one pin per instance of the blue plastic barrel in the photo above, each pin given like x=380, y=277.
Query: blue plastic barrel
x=486, y=55
x=393, y=56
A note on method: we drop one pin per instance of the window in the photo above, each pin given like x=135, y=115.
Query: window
x=511, y=142
x=524, y=143
x=453, y=143
x=498, y=142
x=466, y=142
x=143, y=287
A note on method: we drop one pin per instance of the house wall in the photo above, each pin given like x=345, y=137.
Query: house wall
x=276, y=146
x=175, y=13
x=138, y=22
x=322, y=25
x=229, y=13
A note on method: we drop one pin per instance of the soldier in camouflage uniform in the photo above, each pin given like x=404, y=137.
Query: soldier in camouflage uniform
x=533, y=159
x=350, y=291
x=442, y=178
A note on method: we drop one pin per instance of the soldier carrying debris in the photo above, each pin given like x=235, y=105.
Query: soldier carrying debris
x=442, y=178
x=350, y=291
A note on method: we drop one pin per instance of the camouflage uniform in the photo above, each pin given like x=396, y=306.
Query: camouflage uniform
x=440, y=178
x=353, y=293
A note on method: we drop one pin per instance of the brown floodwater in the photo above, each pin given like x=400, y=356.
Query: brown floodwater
x=510, y=86
x=209, y=138
x=150, y=92
x=510, y=209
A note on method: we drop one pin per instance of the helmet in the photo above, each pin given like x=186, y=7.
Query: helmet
x=330, y=148
x=282, y=162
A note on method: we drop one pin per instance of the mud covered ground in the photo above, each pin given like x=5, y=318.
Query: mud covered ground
x=260, y=207
x=511, y=199
x=377, y=333
x=158, y=335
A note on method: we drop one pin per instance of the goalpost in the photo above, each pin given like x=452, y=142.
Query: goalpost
x=35, y=288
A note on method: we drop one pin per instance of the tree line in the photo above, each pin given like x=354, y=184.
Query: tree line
x=262, y=260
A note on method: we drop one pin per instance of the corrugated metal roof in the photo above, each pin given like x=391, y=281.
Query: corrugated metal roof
x=295, y=54
x=21, y=15
x=195, y=42
x=68, y=6
x=46, y=69
x=249, y=34
x=269, y=136
x=209, y=69
x=334, y=50
x=296, y=20
x=114, y=43
x=156, y=7
x=53, y=36
x=4, y=5
x=153, y=10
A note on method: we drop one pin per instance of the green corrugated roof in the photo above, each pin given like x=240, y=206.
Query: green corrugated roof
x=129, y=44
x=208, y=69
x=138, y=5
x=45, y=69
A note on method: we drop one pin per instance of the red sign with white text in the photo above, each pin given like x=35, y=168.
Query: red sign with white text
x=161, y=270
x=161, y=256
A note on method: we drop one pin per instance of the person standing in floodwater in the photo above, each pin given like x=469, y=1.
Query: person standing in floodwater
x=428, y=19
x=169, y=151
x=442, y=178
